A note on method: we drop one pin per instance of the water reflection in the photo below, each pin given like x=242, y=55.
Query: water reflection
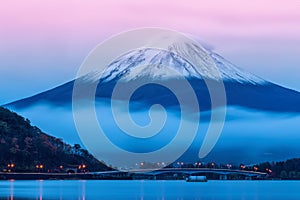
x=82, y=191
x=141, y=190
x=40, y=192
x=11, y=191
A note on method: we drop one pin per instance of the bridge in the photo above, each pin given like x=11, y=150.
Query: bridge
x=164, y=173
x=223, y=173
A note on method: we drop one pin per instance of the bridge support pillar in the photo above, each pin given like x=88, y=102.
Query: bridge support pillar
x=223, y=176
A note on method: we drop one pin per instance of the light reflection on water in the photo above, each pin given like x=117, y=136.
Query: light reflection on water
x=143, y=190
x=11, y=191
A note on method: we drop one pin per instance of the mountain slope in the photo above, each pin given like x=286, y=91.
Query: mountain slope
x=242, y=88
x=26, y=146
x=266, y=97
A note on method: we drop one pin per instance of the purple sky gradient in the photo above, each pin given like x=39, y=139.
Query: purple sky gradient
x=42, y=43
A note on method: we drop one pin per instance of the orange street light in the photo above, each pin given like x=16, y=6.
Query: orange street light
x=268, y=170
x=11, y=165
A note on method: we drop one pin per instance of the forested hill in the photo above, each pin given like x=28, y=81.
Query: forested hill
x=27, y=147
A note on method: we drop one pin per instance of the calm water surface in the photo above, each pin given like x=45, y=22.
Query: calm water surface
x=143, y=190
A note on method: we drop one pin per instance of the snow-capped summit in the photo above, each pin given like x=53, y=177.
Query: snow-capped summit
x=176, y=58
x=180, y=59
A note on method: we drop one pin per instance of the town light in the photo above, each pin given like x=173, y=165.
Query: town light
x=12, y=165
x=268, y=170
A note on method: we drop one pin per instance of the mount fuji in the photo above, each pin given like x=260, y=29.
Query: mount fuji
x=262, y=121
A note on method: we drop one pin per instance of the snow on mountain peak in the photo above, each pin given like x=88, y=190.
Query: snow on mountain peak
x=162, y=64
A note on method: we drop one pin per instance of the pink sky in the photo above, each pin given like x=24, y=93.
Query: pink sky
x=234, y=18
x=262, y=36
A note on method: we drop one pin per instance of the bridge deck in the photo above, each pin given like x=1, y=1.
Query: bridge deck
x=188, y=171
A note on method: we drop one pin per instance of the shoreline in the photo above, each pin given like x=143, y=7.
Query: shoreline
x=93, y=176
x=55, y=176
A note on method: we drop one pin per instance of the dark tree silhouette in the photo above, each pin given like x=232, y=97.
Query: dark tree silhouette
x=26, y=146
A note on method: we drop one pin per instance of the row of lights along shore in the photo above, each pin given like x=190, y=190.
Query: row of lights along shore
x=11, y=166
x=83, y=167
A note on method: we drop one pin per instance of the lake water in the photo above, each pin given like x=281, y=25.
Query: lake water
x=143, y=190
